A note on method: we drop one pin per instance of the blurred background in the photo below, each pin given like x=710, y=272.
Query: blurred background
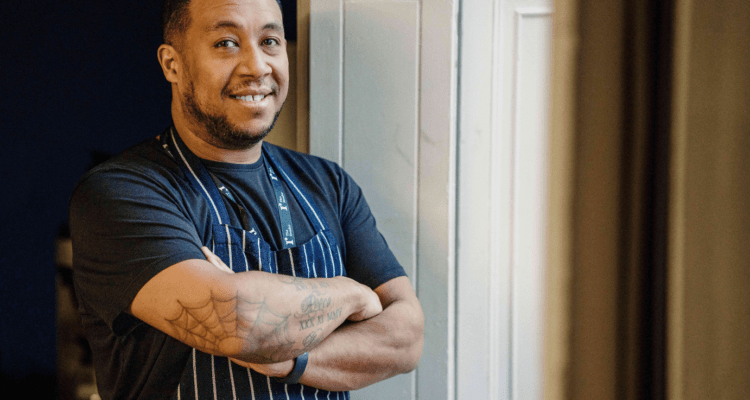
x=567, y=182
x=80, y=82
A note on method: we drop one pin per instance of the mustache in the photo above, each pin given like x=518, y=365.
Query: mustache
x=252, y=84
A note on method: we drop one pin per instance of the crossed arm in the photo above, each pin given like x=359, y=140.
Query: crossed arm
x=358, y=354
x=361, y=353
x=264, y=320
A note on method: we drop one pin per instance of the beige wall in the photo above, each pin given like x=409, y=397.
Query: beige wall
x=709, y=352
x=292, y=128
x=284, y=133
x=584, y=225
x=591, y=251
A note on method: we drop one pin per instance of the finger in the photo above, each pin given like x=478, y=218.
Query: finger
x=206, y=252
x=209, y=254
x=215, y=260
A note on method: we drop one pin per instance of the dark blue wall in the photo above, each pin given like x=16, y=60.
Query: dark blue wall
x=78, y=77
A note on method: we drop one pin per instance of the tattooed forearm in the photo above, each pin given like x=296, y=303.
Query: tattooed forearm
x=312, y=339
x=220, y=325
x=334, y=315
x=312, y=304
x=303, y=284
x=298, y=283
x=269, y=330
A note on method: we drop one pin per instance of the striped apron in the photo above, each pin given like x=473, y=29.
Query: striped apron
x=207, y=376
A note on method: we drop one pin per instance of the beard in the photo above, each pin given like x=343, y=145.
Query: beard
x=217, y=130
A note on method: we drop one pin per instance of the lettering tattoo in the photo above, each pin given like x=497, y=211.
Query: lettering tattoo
x=312, y=304
x=334, y=315
x=301, y=284
x=298, y=283
x=306, y=323
x=314, y=308
x=313, y=339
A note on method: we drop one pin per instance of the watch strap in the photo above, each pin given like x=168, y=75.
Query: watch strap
x=300, y=363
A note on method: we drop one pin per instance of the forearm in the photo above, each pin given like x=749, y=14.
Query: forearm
x=361, y=353
x=283, y=316
x=250, y=316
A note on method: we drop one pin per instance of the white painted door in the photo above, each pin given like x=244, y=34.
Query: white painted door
x=451, y=155
x=502, y=193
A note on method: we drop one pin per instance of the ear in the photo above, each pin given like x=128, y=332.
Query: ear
x=170, y=62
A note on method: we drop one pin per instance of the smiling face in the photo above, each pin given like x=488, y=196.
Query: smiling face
x=231, y=75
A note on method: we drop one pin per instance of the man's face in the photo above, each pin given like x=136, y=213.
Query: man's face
x=236, y=73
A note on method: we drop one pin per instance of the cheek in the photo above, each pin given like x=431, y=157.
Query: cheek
x=280, y=68
x=211, y=78
x=285, y=72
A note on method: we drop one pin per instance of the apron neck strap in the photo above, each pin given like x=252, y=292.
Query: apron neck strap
x=196, y=173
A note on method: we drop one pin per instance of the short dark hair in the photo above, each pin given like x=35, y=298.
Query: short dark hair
x=175, y=18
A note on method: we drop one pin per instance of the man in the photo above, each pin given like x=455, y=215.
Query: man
x=209, y=264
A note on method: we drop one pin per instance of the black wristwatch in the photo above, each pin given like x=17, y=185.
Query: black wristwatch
x=300, y=363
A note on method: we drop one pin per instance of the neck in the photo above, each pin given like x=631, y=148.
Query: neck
x=208, y=151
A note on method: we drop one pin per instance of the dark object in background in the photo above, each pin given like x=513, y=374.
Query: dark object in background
x=75, y=370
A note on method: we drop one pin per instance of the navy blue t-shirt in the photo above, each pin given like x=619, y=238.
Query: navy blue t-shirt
x=136, y=215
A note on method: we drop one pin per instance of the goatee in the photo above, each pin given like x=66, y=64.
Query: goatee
x=218, y=130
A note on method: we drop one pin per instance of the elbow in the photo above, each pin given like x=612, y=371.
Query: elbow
x=410, y=359
x=411, y=344
x=413, y=354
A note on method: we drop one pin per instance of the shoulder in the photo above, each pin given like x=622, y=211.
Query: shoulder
x=143, y=181
x=325, y=179
x=143, y=165
x=324, y=174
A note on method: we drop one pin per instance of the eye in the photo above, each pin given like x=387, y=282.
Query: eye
x=270, y=42
x=227, y=43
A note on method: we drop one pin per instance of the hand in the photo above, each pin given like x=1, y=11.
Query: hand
x=276, y=370
x=371, y=306
x=215, y=260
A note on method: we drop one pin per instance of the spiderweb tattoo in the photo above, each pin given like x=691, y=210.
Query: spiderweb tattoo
x=222, y=325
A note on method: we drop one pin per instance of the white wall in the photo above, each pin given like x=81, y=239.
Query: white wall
x=385, y=103
x=502, y=197
x=373, y=66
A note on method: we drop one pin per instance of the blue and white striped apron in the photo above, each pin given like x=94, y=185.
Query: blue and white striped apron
x=214, y=377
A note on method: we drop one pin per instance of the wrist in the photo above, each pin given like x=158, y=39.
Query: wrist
x=284, y=368
x=352, y=297
x=298, y=368
x=359, y=297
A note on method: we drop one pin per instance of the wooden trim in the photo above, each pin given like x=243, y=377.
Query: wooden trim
x=560, y=265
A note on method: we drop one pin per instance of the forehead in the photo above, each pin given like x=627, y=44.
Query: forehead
x=209, y=14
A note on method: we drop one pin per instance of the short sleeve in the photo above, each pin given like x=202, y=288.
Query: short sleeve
x=126, y=226
x=369, y=260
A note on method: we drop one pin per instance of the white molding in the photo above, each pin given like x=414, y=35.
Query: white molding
x=326, y=79
x=534, y=11
x=528, y=208
x=478, y=309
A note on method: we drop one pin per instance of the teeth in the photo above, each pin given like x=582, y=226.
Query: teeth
x=257, y=97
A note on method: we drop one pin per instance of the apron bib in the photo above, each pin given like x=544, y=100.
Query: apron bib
x=207, y=376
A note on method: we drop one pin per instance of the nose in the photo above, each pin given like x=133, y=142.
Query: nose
x=254, y=62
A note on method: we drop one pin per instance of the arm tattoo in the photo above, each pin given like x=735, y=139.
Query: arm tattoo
x=302, y=284
x=220, y=325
